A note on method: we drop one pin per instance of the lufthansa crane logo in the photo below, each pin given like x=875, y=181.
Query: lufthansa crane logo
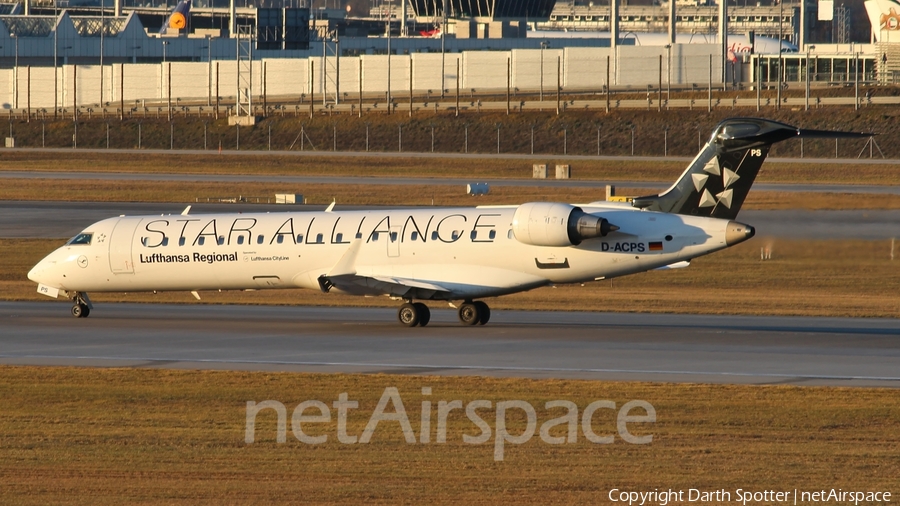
x=890, y=21
x=177, y=21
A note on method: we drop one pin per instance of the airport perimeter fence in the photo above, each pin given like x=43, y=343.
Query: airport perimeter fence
x=679, y=135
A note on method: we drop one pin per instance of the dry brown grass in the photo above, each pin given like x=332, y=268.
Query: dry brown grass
x=275, y=164
x=140, y=436
x=815, y=278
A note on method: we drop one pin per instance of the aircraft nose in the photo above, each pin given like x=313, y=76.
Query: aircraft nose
x=38, y=273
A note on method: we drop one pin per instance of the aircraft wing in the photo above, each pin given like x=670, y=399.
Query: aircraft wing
x=378, y=284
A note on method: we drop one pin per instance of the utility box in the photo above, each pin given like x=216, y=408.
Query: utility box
x=610, y=191
x=478, y=189
x=288, y=198
x=563, y=171
x=10, y=142
x=540, y=171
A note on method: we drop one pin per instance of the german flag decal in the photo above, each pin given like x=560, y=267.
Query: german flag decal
x=656, y=246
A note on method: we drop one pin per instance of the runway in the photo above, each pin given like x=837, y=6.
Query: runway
x=629, y=347
x=28, y=219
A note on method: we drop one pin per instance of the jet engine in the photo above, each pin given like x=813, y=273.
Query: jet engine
x=557, y=224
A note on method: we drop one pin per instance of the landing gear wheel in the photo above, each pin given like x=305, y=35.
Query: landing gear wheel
x=408, y=315
x=484, y=312
x=424, y=313
x=469, y=313
x=80, y=310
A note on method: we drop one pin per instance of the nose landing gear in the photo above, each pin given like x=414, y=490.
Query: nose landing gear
x=81, y=307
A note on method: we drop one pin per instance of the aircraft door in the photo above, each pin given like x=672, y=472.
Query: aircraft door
x=120, y=244
x=393, y=243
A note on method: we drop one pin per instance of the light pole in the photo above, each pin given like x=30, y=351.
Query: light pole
x=668, y=74
x=780, y=39
x=544, y=44
x=808, y=48
x=389, y=57
x=55, y=58
x=208, y=48
x=164, y=44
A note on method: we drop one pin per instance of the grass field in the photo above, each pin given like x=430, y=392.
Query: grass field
x=817, y=278
x=847, y=172
x=575, y=132
x=405, y=195
x=139, y=436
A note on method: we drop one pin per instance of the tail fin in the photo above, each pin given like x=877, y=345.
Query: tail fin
x=884, y=15
x=718, y=180
x=178, y=20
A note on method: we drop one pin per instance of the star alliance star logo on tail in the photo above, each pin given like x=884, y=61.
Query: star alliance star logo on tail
x=729, y=177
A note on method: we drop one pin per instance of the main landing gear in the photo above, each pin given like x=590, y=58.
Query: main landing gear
x=81, y=307
x=474, y=313
x=412, y=314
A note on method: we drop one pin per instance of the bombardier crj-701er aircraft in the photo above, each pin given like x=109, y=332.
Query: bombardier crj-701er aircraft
x=426, y=254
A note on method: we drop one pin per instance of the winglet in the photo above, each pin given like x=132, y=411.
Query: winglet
x=347, y=263
x=186, y=211
x=331, y=206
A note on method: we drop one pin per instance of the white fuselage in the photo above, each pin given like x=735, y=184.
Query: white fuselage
x=439, y=253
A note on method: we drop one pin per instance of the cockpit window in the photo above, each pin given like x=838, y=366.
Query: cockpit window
x=81, y=239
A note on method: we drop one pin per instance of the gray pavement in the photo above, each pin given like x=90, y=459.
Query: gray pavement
x=645, y=347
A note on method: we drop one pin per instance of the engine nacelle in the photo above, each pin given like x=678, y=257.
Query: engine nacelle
x=557, y=224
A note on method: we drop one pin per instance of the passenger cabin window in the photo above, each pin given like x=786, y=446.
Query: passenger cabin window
x=240, y=239
x=509, y=235
x=414, y=236
x=181, y=241
x=84, y=239
x=393, y=236
x=320, y=238
x=492, y=235
x=374, y=236
x=280, y=239
x=201, y=240
x=221, y=240
x=339, y=237
x=260, y=239
x=434, y=236
x=299, y=238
